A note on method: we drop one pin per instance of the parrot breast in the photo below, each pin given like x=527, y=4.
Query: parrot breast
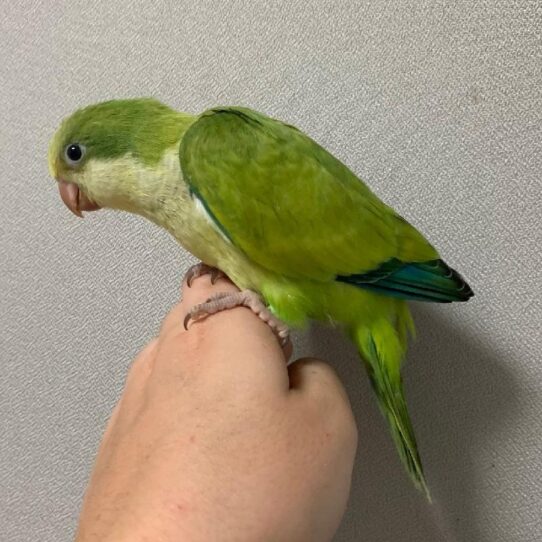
x=160, y=194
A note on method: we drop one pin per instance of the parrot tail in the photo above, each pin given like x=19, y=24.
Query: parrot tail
x=382, y=347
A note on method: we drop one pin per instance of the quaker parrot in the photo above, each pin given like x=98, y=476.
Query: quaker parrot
x=294, y=228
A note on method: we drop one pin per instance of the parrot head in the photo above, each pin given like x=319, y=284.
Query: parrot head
x=100, y=153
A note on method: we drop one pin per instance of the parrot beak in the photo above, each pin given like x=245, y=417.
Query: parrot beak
x=74, y=199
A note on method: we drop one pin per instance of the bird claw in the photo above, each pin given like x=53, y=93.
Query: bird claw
x=201, y=269
x=246, y=298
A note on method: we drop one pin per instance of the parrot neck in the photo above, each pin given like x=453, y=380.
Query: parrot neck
x=127, y=184
x=130, y=183
x=160, y=194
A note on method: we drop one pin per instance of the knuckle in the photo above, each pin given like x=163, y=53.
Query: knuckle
x=174, y=333
x=324, y=373
x=194, y=338
x=140, y=368
x=350, y=427
x=187, y=344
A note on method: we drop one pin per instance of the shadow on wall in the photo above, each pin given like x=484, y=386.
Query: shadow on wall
x=459, y=392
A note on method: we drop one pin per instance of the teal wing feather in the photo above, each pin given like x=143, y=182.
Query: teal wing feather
x=287, y=203
x=420, y=281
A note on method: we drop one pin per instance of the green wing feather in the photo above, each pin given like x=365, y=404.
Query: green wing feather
x=287, y=203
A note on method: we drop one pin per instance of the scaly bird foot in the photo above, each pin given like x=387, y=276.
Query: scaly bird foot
x=201, y=269
x=245, y=298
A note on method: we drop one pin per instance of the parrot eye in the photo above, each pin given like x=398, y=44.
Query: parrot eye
x=73, y=153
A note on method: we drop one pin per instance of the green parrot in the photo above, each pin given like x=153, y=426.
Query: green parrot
x=300, y=235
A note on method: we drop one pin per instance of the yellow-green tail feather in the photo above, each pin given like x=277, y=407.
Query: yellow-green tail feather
x=382, y=347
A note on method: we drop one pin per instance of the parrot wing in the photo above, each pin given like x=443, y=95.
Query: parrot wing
x=295, y=209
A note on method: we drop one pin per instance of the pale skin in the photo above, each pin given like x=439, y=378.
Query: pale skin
x=216, y=439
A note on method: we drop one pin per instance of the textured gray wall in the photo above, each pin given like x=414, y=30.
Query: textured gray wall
x=436, y=104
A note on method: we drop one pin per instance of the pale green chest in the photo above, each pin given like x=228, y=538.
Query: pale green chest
x=160, y=194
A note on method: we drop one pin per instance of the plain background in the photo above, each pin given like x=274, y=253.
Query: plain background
x=436, y=104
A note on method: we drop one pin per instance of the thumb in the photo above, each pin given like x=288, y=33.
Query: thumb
x=315, y=378
x=319, y=390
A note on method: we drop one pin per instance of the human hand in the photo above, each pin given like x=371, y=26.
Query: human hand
x=215, y=438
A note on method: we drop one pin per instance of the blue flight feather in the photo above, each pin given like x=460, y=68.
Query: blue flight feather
x=421, y=281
